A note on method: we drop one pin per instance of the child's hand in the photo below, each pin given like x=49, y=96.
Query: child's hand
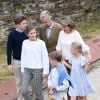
x=51, y=97
x=51, y=92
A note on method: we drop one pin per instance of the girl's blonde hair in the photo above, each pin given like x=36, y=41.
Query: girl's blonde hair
x=77, y=46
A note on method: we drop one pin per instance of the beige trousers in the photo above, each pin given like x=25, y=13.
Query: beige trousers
x=18, y=78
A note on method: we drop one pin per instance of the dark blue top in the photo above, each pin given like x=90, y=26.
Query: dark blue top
x=14, y=45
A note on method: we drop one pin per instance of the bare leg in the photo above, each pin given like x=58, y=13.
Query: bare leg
x=68, y=97
x=83, y=98
x=77, y=98
x=73, y=98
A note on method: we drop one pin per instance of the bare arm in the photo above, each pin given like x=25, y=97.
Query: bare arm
x=66, y=64
x=88, y=55
x=63, y=87
x=87, y=67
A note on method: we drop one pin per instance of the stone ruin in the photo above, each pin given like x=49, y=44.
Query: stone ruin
x=77, y=9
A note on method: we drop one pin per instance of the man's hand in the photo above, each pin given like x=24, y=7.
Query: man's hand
x=10, y=68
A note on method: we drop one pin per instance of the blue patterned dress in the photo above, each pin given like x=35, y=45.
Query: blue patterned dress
x=81, y=81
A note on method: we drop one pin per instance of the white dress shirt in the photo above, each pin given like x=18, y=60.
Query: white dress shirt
x=48, y=31
x=34, y=55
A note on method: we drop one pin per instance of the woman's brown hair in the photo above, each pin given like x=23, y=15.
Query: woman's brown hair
x=67, y=21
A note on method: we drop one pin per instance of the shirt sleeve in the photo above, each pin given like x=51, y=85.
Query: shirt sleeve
x=10, y=44
x=85, y=47
x=52, y=79
x=84, y=61
x=63, y=87
x=23, y=61
x=58, y=47
x=45, y=59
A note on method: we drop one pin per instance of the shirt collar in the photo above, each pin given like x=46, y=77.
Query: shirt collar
x=51, y=25
x=19, y=30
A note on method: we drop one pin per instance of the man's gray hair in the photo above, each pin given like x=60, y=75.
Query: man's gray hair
x=45, y=14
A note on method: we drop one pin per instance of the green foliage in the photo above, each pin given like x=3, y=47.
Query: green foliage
x=89, y=28
x=4, y=73
x=3, y=59
x=87, y=9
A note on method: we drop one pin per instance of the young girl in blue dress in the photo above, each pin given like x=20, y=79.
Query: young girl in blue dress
x=81, y=82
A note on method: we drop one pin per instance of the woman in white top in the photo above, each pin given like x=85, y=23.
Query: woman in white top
x=68, y=35
x=34, y=63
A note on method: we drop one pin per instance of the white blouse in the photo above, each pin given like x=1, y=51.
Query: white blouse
x=65, y=40
x=34, y=55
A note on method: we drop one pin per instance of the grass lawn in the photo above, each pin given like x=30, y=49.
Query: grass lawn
x=4, y=73
x=87, y=29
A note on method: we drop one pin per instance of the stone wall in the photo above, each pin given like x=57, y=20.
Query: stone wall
x=78, y=9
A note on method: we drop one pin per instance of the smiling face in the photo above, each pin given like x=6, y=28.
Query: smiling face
x=32, y=34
